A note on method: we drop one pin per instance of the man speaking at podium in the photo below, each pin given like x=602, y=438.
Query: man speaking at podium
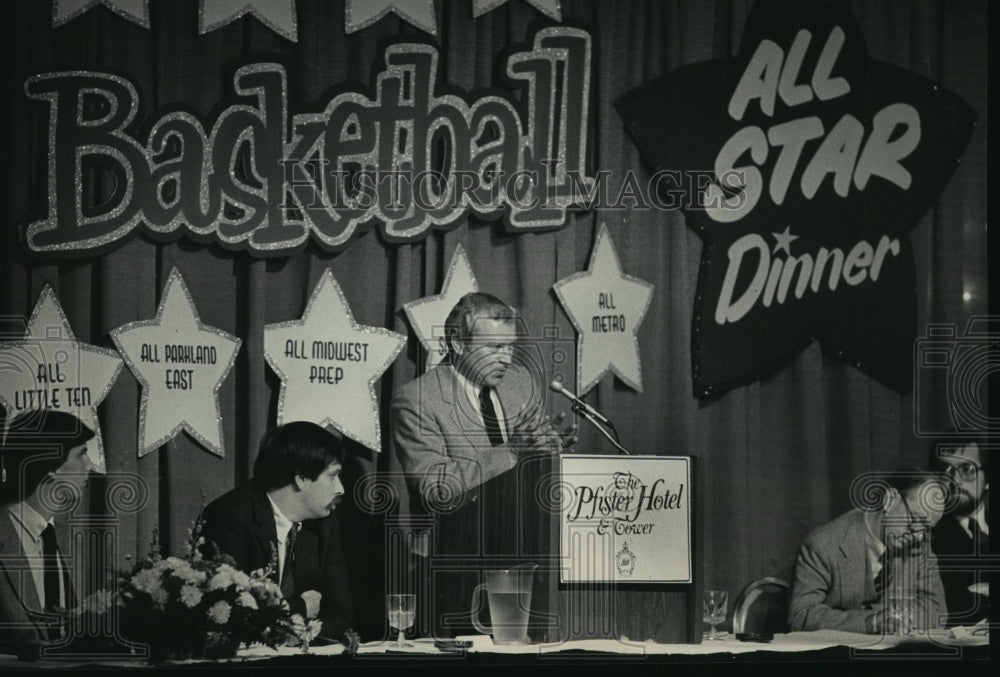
x=458, y=431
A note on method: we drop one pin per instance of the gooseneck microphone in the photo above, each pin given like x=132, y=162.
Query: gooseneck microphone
x=591, y=414
x=556, y=386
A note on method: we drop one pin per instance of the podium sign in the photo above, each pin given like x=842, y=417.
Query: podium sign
x=625, y=519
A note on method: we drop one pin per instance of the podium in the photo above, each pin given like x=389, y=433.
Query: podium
x=586, y=591
x=629, y=547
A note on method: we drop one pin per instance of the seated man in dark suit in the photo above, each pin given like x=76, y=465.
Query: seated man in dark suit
x=44, y=453
x=849, y=570
x=284, y=518
x=961, y=540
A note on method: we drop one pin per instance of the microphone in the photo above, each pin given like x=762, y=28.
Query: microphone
x=556, y=386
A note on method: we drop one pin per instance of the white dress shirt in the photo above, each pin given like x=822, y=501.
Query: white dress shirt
x=980, y=516
x=874, y=549
x=282, y=525
x=472, y=392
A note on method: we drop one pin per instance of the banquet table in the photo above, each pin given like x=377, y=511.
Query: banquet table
x=823, y=645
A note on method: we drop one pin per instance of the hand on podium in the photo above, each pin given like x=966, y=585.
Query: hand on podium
x=542, y=435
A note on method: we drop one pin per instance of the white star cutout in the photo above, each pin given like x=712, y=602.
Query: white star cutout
x=360, y=14
x=427, y=315
x=278, y=15
x=180, y=364
x=328, y=365
x=50, y=369
x=783, y=240
x=606, y=307
x=136, y=11
x=548, y=7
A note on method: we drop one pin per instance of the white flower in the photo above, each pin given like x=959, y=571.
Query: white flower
x=265, y=586
x=196, y=555
x=182, y=570
x=219, y=612
x=313, y=628
x=241, y=580
x=176, y=563
x=245, y=599
x=194, y=577
x=190, y=595
x=99, y=601
x=303, y=631
x=222, y=579
x=159, y=598
x=147, y=580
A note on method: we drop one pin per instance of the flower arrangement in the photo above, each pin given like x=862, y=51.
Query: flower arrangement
x=199, y=606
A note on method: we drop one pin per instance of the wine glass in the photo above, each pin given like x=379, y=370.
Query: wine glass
x=401, y=609
x=714, y=610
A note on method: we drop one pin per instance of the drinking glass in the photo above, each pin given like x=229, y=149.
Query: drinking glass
x=402, y=609
x=901, y=610
x=714, y=610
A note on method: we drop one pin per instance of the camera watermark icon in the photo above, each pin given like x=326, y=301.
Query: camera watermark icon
x=962, y=363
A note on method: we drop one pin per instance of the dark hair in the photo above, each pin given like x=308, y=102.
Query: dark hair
x=473, y=306
x=299, y=448
x=951, y=441
x=35, y=444
x=906, y=479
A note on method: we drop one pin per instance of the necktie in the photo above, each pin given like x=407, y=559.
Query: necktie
x=973, y=529
x=490, y=417
x=880, y=577
x=50, y=575
x=980, y=540
x=288, y=574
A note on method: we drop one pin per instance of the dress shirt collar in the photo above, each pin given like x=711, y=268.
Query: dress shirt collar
x=29, y=521
x=874, y=549
x=980, y=516
x=281, y=523
x=470, y=389
x=472, y=392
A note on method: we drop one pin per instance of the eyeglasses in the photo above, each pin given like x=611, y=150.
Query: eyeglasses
x=966, y=471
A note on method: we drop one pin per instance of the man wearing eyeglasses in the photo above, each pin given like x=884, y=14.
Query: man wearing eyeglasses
x=961, y=539
x=871, y=570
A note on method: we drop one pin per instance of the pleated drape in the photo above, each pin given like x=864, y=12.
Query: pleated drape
x=778, y=456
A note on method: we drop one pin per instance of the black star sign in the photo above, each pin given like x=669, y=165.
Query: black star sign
x=806, y=163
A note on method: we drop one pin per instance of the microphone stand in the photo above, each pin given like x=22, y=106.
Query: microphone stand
x=586, y=414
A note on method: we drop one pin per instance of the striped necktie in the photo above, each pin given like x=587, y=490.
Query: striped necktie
x=288, y=572
x=881, y=576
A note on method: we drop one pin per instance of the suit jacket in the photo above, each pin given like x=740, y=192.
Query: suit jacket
x=241, y=524
x=440, y=442
x=833, y=588
x=960, y=563
x=21, y=618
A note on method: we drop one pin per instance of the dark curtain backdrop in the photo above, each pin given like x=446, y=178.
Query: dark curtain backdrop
x=778, y=456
